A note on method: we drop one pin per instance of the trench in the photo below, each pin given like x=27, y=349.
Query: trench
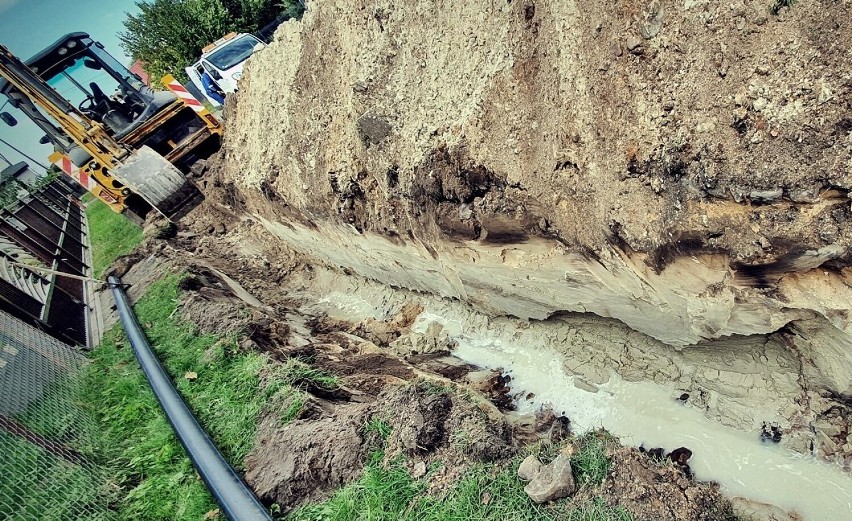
x=638, y=410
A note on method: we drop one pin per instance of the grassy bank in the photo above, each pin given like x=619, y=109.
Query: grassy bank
x=153, y=476
x=387, y=491
x=112, y=235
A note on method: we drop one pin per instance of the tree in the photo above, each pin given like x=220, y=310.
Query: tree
x=168, y=35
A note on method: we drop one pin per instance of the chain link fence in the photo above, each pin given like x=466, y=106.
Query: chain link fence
x=49, y=465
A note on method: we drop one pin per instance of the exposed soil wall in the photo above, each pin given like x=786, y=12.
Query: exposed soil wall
x=682, y=167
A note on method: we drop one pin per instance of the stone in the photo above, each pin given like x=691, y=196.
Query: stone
x=198, y=168
x=554, y=481
x=373, y=130
x=750, y=509
x=828, y=445
x=419, y=470
x=529, y=468
x=760, y=104
x=652, y=27
x=680, y=456
x=828, y=428
x=805, y=195
x=581, y=384
x=824, y=94
x=634, y=45
x=766, y=196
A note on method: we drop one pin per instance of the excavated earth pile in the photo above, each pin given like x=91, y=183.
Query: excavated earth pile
x=681, y=167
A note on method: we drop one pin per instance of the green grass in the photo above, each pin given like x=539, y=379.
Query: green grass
x=154, y=477
x=298, y=374
x=590, y=463
x=379, y=427
x=485, y=492
x=37, y=484
x=112, y=235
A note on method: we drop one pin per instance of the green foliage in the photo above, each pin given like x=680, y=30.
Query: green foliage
x=154, y=477
x=597, y=510
x=9, y=194
x=382, y=493
x=168, y=35
x=379, y=427
x=299, y=374
x=590, y=463
x=111, y=235
x=52, y=173
x=295, y=406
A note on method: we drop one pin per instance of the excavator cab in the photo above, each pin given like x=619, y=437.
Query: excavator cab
x=150, y=136
x=98, y=84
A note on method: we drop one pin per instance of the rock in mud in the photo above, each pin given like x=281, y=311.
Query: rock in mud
x=757, y=511
x=553, y=481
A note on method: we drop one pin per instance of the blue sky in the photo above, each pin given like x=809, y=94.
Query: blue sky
x=27, y=26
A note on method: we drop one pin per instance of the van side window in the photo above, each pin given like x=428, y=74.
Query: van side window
x=210, y=70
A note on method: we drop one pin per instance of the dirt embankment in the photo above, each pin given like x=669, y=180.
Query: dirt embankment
x=681, y=167
x=659, y=127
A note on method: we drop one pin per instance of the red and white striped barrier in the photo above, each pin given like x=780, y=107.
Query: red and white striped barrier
x=77, y=174
x=187, y=97
x=83, y=177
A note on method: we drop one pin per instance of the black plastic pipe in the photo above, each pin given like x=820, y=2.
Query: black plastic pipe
x=236, y=500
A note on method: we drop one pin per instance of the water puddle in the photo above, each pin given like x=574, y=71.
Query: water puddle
x=640, y=413
x=646, y=413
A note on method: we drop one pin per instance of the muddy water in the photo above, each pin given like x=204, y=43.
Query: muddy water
x=645, y=413
x=640, y=413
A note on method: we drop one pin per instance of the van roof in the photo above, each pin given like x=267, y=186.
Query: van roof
x=218, y=43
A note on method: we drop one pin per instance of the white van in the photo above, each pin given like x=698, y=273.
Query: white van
x=223, y=60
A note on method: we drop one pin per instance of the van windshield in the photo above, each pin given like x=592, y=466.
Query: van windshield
x=233, y=53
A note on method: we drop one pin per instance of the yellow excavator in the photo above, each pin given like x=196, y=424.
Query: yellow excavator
x=126, y=143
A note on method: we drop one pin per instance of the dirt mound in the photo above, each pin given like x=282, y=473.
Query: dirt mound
x=308, y=459
x=304, y=461
x=658, y=490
